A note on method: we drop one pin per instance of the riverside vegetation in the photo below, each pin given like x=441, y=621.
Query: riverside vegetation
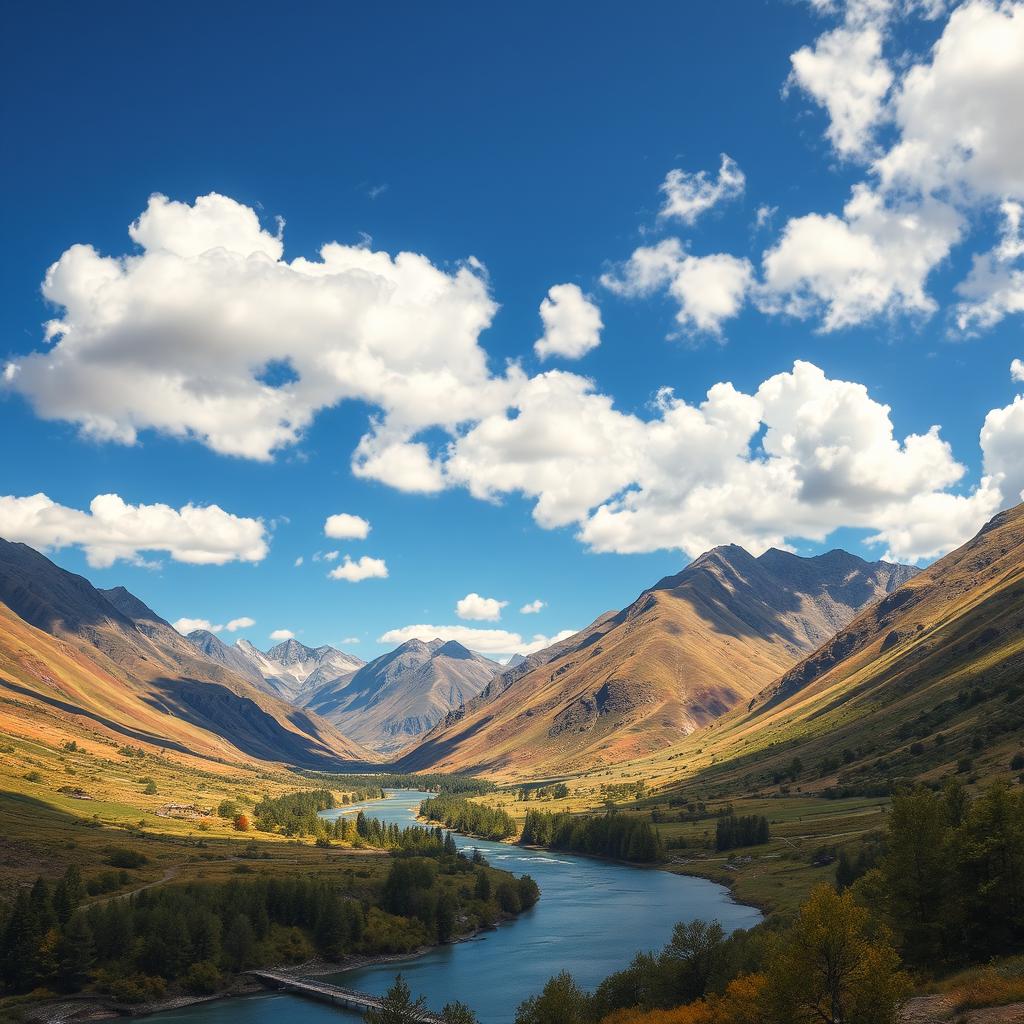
x=413, y=889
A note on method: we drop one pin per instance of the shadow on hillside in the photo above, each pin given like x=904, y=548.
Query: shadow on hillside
x=242, y=722
x=138, y=735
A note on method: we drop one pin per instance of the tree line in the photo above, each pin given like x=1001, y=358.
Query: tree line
x=436, y=782
x=468, y=817
x=193, y=936
x=744, y=830
x=621, y=836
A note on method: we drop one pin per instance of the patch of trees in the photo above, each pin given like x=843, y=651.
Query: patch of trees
x=193, y=936
x=621, y=836
x=830, y=965
x=951, y=882
x=294, y=814
x=372, y=785
x=743, y=830
x=470, y=818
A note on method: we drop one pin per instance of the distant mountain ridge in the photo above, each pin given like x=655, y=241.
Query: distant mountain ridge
x=290, y=670
x=683, y=653
x=133, y=675
x=399, y=696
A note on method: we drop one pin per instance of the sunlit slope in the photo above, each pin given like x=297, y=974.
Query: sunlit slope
x=67, y=650
x=685, y=652
x=928, y=682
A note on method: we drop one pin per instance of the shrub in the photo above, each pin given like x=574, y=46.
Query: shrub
x=122, y=857
x=241, y=822
x=202, y=979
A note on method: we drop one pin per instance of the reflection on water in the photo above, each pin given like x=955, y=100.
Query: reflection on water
x=592, y=917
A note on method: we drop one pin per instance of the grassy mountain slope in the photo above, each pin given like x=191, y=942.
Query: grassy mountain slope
x=926, y=683
x=686, y=651
x=72, y=653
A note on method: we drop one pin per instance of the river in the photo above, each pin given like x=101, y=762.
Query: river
x=592, y=917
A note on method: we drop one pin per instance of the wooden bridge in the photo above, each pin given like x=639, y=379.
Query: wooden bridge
x=335, y=994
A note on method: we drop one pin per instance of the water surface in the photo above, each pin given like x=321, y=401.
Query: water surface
x=592, y=917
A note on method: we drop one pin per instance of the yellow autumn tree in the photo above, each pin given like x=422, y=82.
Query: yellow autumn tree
x=832, y=967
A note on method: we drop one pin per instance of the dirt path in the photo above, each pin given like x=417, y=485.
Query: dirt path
x=939, y=1010
x=171, y=872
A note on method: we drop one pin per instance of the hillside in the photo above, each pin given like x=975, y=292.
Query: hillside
x=404, y=693
x=73, y=657
x=683, y=653
x=927, y=683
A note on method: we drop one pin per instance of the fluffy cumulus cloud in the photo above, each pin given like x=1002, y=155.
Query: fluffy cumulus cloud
x=344, y=526
x=485, y=641
x=707, y=289
x=994, y=288
x=874, y=259
x=953, y=146
x=282, y=634
x=186, y=625
x=532, y=607
x=799, y=457
x=688, y=195
x=365, y=568
x=572, y=323
x=207, y=332
x=958, y=112
x=845, y=72
x=479, y=609
x=112, y=529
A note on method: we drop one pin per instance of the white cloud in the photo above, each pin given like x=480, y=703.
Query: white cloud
x=298, y=561
x=572, y=323
x=873, y=260
x=346, y=527
x=282, y=634
x=994, y=288
x=958, y=113
x=799, y=457
x=112, y=529
x=708, y=289
x=846, y=74
x=486, y=641
x=349, y=640
x=365, y=569
x=1017, y=370
x=480, y=609
x=538, y=642
x=331, y=556
x=185, y=626
x=689, y=195
x=177, y=339
x=957, y=148
x=532, y=608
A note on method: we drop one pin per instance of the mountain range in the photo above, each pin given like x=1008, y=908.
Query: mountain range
x=384, y=705
x=73, y=656
x=925, y=683
x=731, y=668
x=686, y=651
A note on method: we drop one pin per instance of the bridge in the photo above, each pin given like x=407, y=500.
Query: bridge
x=349, y=998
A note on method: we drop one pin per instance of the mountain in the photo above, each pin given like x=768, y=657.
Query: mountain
x=402, y=694
x=683, y=653
x=292, y=671
x=925, y=683
x=103, y=660
x=228, y=655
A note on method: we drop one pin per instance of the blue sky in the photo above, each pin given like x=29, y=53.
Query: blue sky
x=540, y=142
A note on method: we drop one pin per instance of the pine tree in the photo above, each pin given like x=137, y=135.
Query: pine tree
x=75, y=954
x=397, y=1006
